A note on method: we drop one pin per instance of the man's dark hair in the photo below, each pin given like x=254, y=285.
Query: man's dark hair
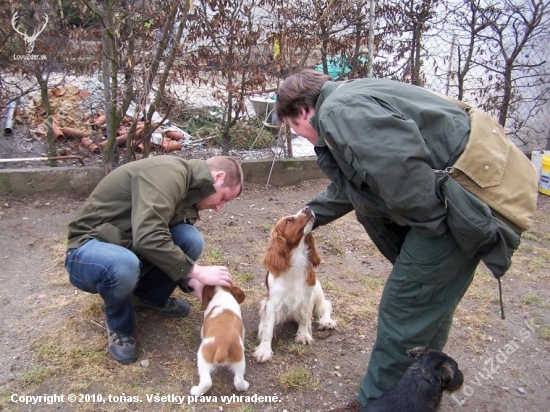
x=299, y=91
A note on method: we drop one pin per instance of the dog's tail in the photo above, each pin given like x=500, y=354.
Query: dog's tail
x=221, y=355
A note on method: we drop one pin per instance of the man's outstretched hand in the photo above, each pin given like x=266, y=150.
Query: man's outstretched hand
x=208, y=275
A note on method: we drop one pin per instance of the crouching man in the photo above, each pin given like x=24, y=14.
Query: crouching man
x=134, y=241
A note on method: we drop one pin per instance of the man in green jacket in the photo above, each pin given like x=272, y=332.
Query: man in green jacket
x=379, y=142
x=134, y=241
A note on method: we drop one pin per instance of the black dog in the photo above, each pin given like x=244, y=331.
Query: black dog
x=421, y=387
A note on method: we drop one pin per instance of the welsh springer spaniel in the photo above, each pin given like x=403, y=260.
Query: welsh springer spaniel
x=222, y=336
x=294, y=293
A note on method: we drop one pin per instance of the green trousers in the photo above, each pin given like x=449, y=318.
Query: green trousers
x=429, y=278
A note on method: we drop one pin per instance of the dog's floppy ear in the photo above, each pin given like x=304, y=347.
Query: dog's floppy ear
x=311, y=278
x=277, y=256
x=207, y=295
x=450, y=376
x=444, y=369
x=314, y=257
x=417, y=352
x=237, y=293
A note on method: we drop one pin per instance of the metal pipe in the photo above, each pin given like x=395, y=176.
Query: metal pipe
x=36, y=159
x=8, y=126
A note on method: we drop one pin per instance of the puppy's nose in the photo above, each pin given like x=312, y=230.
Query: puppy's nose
x=305, y=210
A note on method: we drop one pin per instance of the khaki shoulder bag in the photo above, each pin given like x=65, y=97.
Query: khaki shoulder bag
x=495, y=170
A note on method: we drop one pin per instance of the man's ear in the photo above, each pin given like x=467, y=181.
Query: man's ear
x=219, y=175
x=303, y=113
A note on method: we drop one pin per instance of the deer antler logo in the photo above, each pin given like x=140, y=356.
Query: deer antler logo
x=29, y=40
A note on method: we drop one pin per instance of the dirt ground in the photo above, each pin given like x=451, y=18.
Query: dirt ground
x=54, y=342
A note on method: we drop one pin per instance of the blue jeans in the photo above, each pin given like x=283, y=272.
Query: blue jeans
x=116, y=272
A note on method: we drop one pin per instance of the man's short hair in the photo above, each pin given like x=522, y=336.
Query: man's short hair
x=231, y=167
x=299, y=91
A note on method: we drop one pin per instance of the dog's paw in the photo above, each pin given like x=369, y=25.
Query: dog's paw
x=196, y=391
x=263, y=354
x=242, y=385
x=327, y=324
x=304, y=339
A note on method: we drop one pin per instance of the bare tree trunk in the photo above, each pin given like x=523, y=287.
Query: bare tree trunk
x=128, y=37
x=110, y=83
x=370, y=61
x=43, y=83
x=450, y=66
x=507, y=97
x=167, y=33
x=169, y=63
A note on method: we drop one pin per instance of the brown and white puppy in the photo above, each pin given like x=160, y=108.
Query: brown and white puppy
x=294, y=293
x=222, y=336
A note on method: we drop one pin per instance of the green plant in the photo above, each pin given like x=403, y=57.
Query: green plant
x=530, y=300
x=248, y=134
x=213, y=257
x=243, y=277
x=266, y=227
x=544, y=333
x=202, y=122
x=296, y=348
x=35, y=376
x=296, y=377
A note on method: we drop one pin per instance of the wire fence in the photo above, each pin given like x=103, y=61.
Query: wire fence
x=503, y=69
x=499, y=72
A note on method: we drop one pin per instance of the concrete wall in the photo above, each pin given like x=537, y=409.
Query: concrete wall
x=282, y=172
x=82, y=180
x=78, y=180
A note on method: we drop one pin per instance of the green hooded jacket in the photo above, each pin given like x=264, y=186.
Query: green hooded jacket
x=135, y=205
x=381, y=143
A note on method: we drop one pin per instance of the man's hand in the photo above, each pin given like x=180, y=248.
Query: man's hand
x=211, y=275
x=197, y=287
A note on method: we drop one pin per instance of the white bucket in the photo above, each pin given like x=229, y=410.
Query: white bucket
x=536, y=159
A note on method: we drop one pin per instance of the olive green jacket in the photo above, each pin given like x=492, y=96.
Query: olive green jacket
x=135, y=205
x=379, y=143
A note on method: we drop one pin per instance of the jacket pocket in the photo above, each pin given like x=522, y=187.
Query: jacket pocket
x=486, y=154
x=470, y=220
x=424, y=268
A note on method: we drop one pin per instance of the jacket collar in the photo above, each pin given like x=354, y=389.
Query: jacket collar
x=201, y=185
x=326, y=90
